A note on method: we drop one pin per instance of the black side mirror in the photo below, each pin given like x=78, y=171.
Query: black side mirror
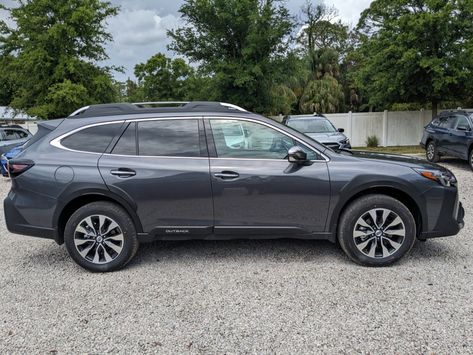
x=341, y=130
x=463, y=128
x=297, y=155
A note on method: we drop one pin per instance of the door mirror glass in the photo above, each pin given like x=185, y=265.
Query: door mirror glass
x=341, y=130
x=297, y=155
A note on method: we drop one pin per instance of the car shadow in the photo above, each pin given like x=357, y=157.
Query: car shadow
x=284, y=251
x=457, y=163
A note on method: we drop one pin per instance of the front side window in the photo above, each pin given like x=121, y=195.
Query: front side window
x=11, y=134
x=242, y=139
x=93, y=139
x=462, y=121
x=179, y=138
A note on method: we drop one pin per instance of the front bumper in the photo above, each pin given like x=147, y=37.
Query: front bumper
x=448, y=225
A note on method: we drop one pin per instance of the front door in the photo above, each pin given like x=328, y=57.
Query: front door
x=162, y=166
x=256, y=189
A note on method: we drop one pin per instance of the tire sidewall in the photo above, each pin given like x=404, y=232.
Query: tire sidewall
x=110, y=210
x=356, y=210
x=435, y=158
x=470, y=159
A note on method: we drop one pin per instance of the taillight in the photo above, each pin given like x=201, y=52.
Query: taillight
x=17, y=167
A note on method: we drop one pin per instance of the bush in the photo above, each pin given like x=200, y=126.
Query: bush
x=372, y=142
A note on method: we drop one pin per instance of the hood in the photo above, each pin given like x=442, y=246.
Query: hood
x=397, y=159
x=332, y=137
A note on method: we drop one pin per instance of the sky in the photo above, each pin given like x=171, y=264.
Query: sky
x=139, y=30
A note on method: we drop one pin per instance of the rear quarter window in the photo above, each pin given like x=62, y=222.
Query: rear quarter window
x=93, y=139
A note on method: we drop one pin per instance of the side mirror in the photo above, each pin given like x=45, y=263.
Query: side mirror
x=296, y=155
x=463, y=128
x=341, y=130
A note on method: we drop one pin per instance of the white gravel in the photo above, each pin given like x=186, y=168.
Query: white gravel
x=280, y=296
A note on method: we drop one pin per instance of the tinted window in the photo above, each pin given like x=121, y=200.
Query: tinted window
x=22, y=134
x=11, y=134
x=314, y=125
x=462, y=122
x=169, y=138
x=241, y=139
x=94, y=139
x=127, y=143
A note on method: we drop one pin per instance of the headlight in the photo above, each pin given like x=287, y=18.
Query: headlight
x=345, y=141
x=445, y=178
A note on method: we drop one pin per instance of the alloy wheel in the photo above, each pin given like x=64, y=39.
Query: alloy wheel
x=98, y=239
x=430, y=151
x=379, y=233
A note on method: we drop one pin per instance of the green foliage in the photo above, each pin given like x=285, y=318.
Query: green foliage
x=53, y=50
x=416, y=51
x=372, y=142
x=162, y=78
x=240, y=43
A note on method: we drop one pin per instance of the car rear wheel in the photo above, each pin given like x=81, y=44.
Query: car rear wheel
x=470, y=158
x=376, y=230
x=431, y=152
x=101, y=237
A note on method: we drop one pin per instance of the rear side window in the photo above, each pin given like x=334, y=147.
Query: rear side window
x=169, y=138
x=11, y=134
x=127, y=143
x=93, y=139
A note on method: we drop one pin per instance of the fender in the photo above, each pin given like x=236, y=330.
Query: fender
x=95, y=190
x=374, y=184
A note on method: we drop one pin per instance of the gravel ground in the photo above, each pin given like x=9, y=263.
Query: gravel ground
x=281, y=296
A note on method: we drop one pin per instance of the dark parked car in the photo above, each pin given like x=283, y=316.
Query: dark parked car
x=318, y=127
x=115, y=175
x=450, y=133
x=12, y=136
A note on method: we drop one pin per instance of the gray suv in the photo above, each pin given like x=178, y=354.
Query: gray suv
x=115, y=175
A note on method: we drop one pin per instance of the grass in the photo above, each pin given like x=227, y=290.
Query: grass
x=408, y=149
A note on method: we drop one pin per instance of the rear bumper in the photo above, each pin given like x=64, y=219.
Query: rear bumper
x=17, y=224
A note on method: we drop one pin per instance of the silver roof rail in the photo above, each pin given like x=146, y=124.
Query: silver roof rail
x=76, y=112
x=161, y=103
x=233, y=106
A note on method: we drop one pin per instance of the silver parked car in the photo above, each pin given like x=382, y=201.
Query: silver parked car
x=12, y=136
x=318, y=127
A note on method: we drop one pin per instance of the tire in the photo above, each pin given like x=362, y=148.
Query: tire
x=470, y=159
x=101, y=237
x=431, y=152
x=359, y=237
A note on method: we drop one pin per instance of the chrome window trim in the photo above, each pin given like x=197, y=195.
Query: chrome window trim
x=56, y=142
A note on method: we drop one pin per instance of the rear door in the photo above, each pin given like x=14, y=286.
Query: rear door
x=459, y=136
x=163, y=167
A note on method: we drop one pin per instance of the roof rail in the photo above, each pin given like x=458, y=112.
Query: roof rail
x=113, y=109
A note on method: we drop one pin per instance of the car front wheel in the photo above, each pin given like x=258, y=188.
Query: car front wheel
x=470, y=159
x=431, y=152
x=101, y=237
x=376, y=230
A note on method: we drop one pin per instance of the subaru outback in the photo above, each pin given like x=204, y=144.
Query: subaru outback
x=113, y=176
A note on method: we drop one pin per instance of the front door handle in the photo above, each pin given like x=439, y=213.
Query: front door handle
x=123, y=172
x=227, y=175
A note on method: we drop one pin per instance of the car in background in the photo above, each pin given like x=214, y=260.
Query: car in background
x=4, y=158
x=450, y=133
x=12, y=136
x=318, y=127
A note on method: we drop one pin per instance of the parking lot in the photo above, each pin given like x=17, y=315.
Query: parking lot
x=284, y=296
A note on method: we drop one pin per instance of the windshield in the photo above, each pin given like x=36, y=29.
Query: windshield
x=317, y=125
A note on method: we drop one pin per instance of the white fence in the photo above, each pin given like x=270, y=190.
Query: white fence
x=393, y=128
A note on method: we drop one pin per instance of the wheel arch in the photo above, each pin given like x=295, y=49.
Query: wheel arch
x=64, y=212
x=391, y=191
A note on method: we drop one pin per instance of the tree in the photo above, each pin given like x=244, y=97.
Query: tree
x=416, y=51
x=238, y=42
x=162, y=78
x=53, y=51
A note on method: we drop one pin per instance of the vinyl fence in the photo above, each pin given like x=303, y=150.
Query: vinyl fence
x=392, y=128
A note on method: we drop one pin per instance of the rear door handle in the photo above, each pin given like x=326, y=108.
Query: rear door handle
x=123, y=172
x=227, y=175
